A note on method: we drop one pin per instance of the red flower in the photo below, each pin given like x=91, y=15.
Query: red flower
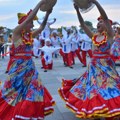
x=30, y=92
x=118, y=86
x=35, y=83
x=7, y=84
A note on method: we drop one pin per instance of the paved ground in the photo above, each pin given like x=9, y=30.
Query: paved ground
x=51, y=80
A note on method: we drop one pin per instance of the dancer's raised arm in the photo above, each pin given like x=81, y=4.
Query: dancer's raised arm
x=104, y=16
x=82, y=23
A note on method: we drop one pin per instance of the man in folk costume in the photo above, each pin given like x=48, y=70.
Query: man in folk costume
x=66, y=46
x=55, y=41
x=36, y=46
x=86, y=47
x=2, y=41
x=47, y=59
x=46, y=32
x=115, y=48
x=9, y=44
x=75, y=50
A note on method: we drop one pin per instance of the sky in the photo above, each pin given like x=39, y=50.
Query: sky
x=63, y=11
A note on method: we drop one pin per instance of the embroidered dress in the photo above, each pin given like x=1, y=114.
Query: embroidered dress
x=96, y=93
x=115, y=49
x=23, y=96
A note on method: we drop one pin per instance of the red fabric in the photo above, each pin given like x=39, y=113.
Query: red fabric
x=77, y=105
x=22, y=19
x=22, y=57
x=63, y=55
x=27, y=108
x=5, y=54
x=42, y=42
x=78, y=55
x=99, y=18
x=84, y=56
x=73, y=56
x=115, y=58
x=9, y=63
x=101, y=57
x=68, y=58
x=49, y=66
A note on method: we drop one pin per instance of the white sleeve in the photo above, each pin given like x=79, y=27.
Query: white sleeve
x=64, y=33
x=54, y=49
x=43, y=49
x=81, y=37
x=87, y=39
x=70, y=37
x=8, y=44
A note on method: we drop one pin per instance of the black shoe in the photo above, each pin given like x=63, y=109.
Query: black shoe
x=71, y=67
x=6, y=71
x=65, y=65
x=41, y=67
x=36, y=56
x=45, y=70
x=84, y=66
x=73, y=63
x=117, y=64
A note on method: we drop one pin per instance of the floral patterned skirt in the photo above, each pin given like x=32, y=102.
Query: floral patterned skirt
x=96, y=93
x=23, y=96
x=115, y=50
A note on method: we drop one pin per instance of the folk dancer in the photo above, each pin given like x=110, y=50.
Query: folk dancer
x=86, y=47
x=96, y=93
x=47, y=58
x=46, y=32
x=75, y=50
x=55, y=41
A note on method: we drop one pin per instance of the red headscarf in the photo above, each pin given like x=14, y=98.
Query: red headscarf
x=99, y=18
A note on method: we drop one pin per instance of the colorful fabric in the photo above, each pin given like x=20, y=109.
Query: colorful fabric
x=96, y=93
x=115, y=49
x=23, y=95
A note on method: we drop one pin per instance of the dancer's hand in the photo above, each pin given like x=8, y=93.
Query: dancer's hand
x=43, y=2
x=76, y=7
x=49, y=11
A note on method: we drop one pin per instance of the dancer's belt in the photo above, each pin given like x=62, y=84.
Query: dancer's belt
x=101, y=55
x=22, y=57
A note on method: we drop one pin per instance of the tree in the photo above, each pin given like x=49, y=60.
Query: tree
x=89, y=24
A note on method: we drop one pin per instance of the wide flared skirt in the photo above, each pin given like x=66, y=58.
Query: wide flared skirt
x=115, y=50
x=27, y=110
x=23, y=96
x=96, y=93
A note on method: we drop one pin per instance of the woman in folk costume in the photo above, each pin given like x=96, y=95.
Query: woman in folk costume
x=96, y=93
x=23, y=96
x=115, y=49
